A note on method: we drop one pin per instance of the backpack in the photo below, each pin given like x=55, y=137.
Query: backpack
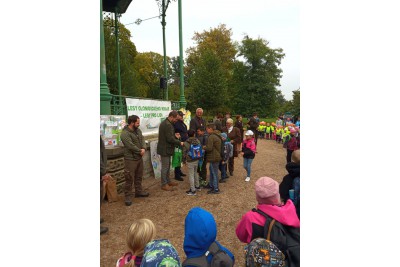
x=196, y=151
x=286, y=238
x=262, y=252
x=220, y=258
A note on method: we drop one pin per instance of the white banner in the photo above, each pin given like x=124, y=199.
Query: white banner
x=151, y=113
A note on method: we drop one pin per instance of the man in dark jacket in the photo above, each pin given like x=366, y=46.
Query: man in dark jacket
x=104, y=176
x=253, y=125
x=197, y=121
x=167, y=140
x=134, y=149
x=181, y=128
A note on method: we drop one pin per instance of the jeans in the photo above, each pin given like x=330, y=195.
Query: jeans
x=214, y=175
x=193, y=176
x=247, y=165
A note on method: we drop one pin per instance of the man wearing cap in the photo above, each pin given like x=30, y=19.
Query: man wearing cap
x=181, y=128
x=167, y=140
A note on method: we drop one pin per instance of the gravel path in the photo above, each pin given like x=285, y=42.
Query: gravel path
x=168, y=209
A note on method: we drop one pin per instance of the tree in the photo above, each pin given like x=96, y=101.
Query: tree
x=296, y=103
x=148, y=69
x=127, y=50
x=209, y=83
x=260, y=76
x=214, y=45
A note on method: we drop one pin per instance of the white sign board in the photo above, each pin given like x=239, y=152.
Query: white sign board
x=151, y=113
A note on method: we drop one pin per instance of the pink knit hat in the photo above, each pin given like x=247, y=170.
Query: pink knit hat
x=267, y=191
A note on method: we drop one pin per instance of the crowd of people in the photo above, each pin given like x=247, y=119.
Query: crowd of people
x=272, y=227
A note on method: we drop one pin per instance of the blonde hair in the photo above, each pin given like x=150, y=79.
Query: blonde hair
x=296, y=156
x=140, y=233
x=229, y=121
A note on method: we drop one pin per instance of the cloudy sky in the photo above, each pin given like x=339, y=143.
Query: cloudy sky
x=276, y=21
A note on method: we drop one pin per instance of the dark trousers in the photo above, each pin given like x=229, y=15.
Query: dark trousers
x=289, y=155
x=133, y=174
x=178, y=172
x=203, y=171
x=231, y=164
x=222, y=169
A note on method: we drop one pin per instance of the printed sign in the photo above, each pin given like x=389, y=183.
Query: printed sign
x=151, y=113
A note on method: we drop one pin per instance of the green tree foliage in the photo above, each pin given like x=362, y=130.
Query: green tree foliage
x=148, y=69
x=257, y=77
x=127, y=51
x=296, y=102
x=209, y=83
x=214, y=45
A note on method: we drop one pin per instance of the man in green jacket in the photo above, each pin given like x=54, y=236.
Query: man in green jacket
x=167, y=140
x=134, y=149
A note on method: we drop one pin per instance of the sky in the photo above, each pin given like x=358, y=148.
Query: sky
x=273, y=20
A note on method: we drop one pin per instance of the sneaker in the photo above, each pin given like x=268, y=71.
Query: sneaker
x=216, y=191
x=198, y=188
x=128, y=201
x=142, y=194
x=190, y=193
x=247, y=179
x=222, y=180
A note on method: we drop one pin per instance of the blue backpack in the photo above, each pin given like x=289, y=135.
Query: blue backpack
x=196, y=151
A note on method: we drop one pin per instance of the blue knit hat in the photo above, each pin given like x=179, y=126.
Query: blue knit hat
x=160, y=253
x=224, y=135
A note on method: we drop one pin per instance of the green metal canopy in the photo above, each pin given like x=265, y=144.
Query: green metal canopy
x=111, y=5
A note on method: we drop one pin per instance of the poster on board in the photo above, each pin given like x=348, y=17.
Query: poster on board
x=151, y=113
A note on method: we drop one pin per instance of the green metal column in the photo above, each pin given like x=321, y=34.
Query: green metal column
x=182, y=83
x=163, y=23
x=105, y=96
x=118, y=61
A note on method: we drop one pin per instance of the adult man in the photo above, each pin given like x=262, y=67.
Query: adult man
x=253, y=125
x=235, y=136
x=104, y=176
x=167, y=140
x=181, y=128
x=197, y=121
x=227, y=116
x=213, y=150
x=279, y=122
x=134, y=149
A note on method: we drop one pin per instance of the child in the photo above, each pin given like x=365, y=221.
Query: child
x=160, y=253
x=248, y=152
x=291, y=145
x=228, y=153
x=202, y=168
x=279, y=134
x=139, y=234
x=192, y=163
x=292, y=181
x=269, y=206
x=268, y=132
x=273, y=130
x=213, y=150
x=200, y=233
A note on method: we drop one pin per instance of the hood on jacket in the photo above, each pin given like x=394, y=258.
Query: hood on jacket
x=193, y=140
x=200, y=232
x=285, y=214
x=293, y=169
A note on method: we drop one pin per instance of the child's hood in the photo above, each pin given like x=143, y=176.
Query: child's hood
x=193, y=140
x=200, y=232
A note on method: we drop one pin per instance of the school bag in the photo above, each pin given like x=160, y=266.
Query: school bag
x=220, y=258
x=286, y=238
x=196, y=151
x=262, y=252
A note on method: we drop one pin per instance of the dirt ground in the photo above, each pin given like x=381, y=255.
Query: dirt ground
x=168, y=209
